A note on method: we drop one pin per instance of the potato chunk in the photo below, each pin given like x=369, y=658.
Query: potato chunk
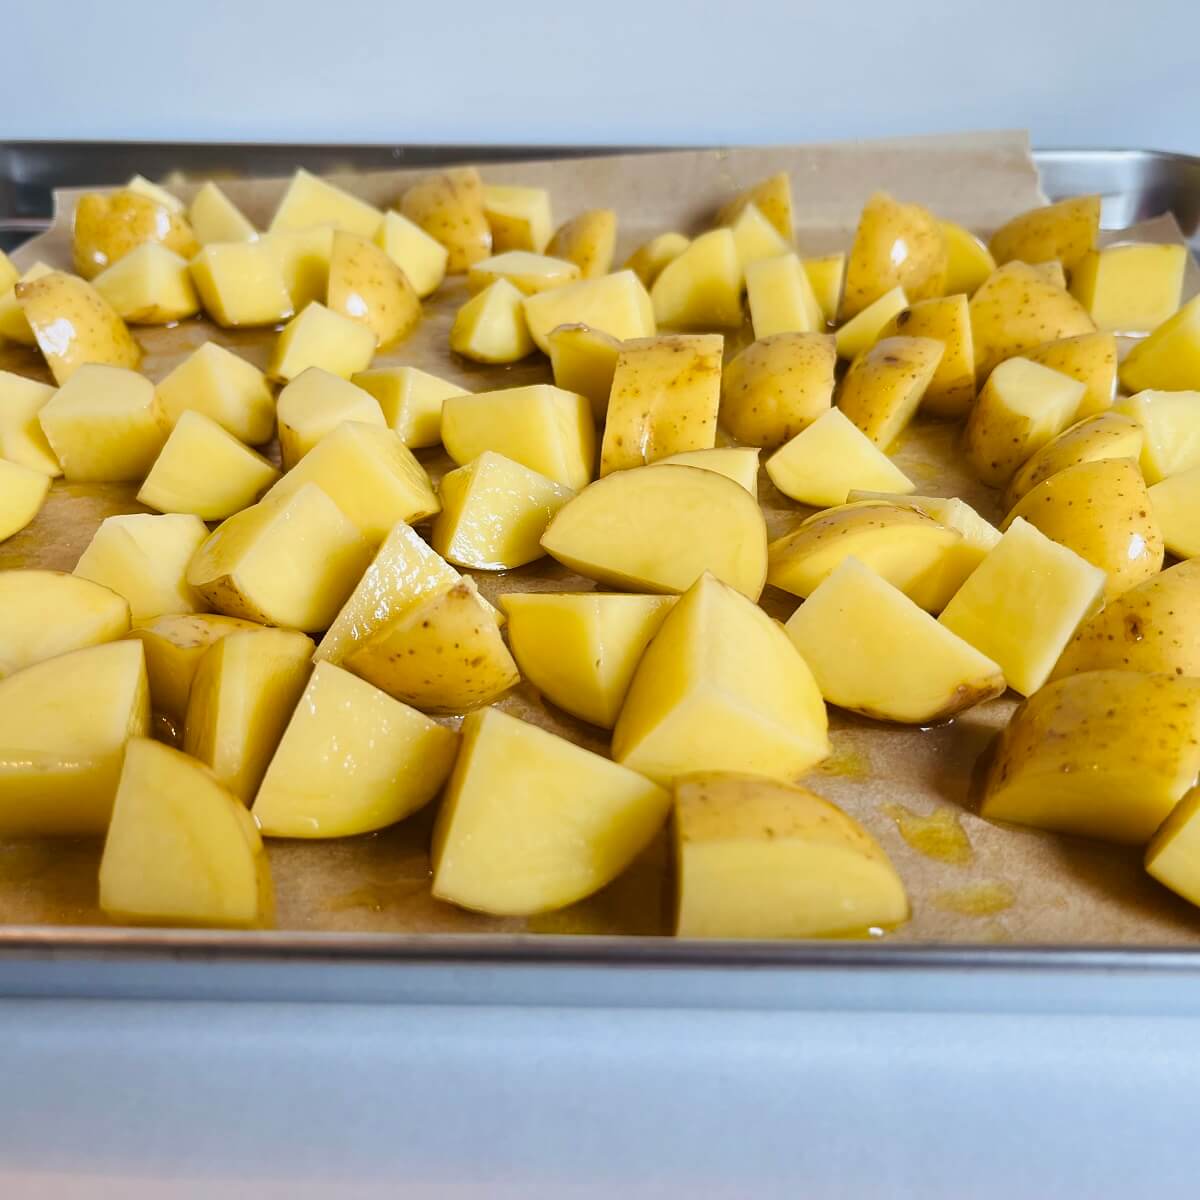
x=968, y=260
x=861, y=332
x=1132, y=288
x=771, y=196
x=314, y=404
x=758, y=858
x=215, y=218
x=584, y=360
x=519, y=217
x=1169, y=359
x=107, y=227
x=1176, y=505
x=702, y=288
x=310, y=200
x=826, y=275
x=368, y=287
x=528, y=273
x=1170, y=423
x=1173, y=856
x=411, y=401
x=1066, y=231
x=720, y=688
x=219, y=384
x=319, y=337
x=588, y=240
x=422, y=259
x=13, y=325
x=739, y=463
x=884, y=386
x=241, y=283
x=1092, y=359
x=947, y=319
x=23, y=491
x=756, y=238
x=450, y=207
x=149, y=286
x=22, y=439
x=615, y=304
x=781, y=297
x=302, y=256
x=650, y=257
x=491, y=327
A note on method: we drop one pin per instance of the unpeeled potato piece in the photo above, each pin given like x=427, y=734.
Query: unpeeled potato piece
x=108, y=226
x=1065, y=231
x=450, y=207
x=367, y=286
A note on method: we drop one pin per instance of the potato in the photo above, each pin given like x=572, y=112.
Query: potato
x=13, y=325
x=156, y=192
x=1021, y=408
x=665, y=395
x=1151, y=628
x=823, y=462
x=895, y=245
x=174, y=645
x=657, y=529
x=242, y=694
x=1023, y=604
x=759, y=858
x=302, y=256
x=1102, y=511
x=450, y=207
x=541, y=427
x=826, y=276
x=351, y=760
x=781, y=298
x=614, y=304
x=702, y=288
x=310, y=201
x=1092, y=359
x=773, y=198
x=444, y=653
x=1015, y=309
x=85, y=614
x=289, y=560
x=65, y=722
x=1053, y=272
x=580, y=649
x=778, y=386
x=219, y=384
x=1176, y=506
x=316, y=403
x=74, y=325
x=884, y=385
x=860, y=333
x=1173, y=853
x=22, y=439
x=532, y=822
x=422, y=259
x=648, y=260
x=410, y=400
x=205, y=470
x=756, y=237
x=519, y=217
x=491, y=327
x=181, y=850
x=149, y=286
x=1066, y=231
x=1107, y=754
x=968, y=260
x=369, y=474
x=319, y=337
x=9, y=274
x=215, y=218
x=528, y=273
x=739, y=463
x=23, y=491
x=904, y=546
x=367, y=286
x=1132, y=288
x=947, y=319
x=494, y=512
x=720, y=688
x=242, y=283
x=588, y=240
x=583, y=360
x=1170, y=424
x=144, y=558
x=108, y=226
x=1169, y=359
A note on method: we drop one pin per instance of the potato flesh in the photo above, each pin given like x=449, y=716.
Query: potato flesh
x=533, y=823
x=826, y=276
x=1105, y=754
x=241, y=283
x=410, y=400
x=1065, y=231
x=22, y=439
x=491, y=327
x=862, y=331
x=951, y=390
x=583, y=360
x=219, y=384
x=310, y=201
x=772, y=197
x=1173, y=856
x=64, y=723
x=1092, y=359
x=302, y=256
x=968, y=260
x=519, y=217
x=1169, y=359
x=884, y=386
x=23, y=491
x=149, y=286
x=450, y=208
x=615, y=304
x=351, y=760
x=702, y=288
x=13, y=325
x=781, y=297
x=314, y=404
x=1176, y=505
x=215, y=218
x=422, y=259
x=528, y=273
x=319, y=337
x=1132, y=288
x=588, y=240
x=739, y=463
x=368, y=287
x=1170, y=422
x=756, y=238
x=648, y=260
x=761, y=859
x=107, y=227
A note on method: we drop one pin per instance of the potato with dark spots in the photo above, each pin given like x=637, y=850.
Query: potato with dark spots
x=107, y=226
x=772, y=197
x=946, y=319
x=884, y=386
x=367, y=286
x=588, y=240
x=1089, y=357
x=1066, y=231
x=450, y=208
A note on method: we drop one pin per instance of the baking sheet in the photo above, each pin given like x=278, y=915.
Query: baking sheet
x=969, y=881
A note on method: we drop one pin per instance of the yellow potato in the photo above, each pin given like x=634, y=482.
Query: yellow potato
x=22, y=439
x=219, y=384
x=289, y=560
x=827, y=276
x=773, y=198
x=648, y=260
x=1021, y=408
x=1092, y=359
x=702, y=288
x=532, y=822
x=1151, y=628
x=74, y=325
x=1053, y=272
x=739, y=463
x=310, y=201
x=615, y=304
x=492, y=327
x=781, y=298
x=1170, y=424
x=1173, y=856
x=884, y=386
x=149, y=286
x=411, y=401
x=159, y=194
x=9, y=274
x=450, y=208
x=588, y=240
x=860, y=333
x=320, y=337
x=823, y=462
x=528, y=273
x=947, y=319
x=758, y=858
x=215, y=218
x=302, y=257
x=1023, y=604
x=314, y=404
x=580, y=650
x=85, y=614
x=583, y=360
x=968, y=260
x=422, y=259
x=778, y=386
x=1107, y=754
x=351, y=760
x=756, y=238
x=1176, y=505
x=181, y=849
x=367, y=286
x=242, y=694
x=665, y=395
x=203, y=469
x=242, y=283
x=1132, y=288
x=108, y=226
x=720, y=688
x=23, y=491
x=13, y=325
x=519, y=217
x=64, y=723
x=494, y=512
x=1065, y=231
x=895, y=245
x=657, y=529
x=1169, y=359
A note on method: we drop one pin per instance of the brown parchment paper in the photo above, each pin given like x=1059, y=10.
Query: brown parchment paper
x=970, y=881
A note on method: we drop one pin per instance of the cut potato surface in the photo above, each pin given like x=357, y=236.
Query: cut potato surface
x=1089, y=357
x=739, y=463
x=616, y=304
x=588, y=240
x=310, y=200
x=492, y=327
x=968, y=261
x=780, y=296
x=1173, y=856
x=827, y=275
x=314, y=404
x=520, y=218
x=648, y=260
x=410, y=400
x=22, y=439
x=861, y=332
x=528, y=273
x=23, y=491
x=216, y=382
x=1176, y=505
x=242, y=283
x=215, y=218
x=583, y=360
x=422, y=259
x=702, y=287
x=320, y=337
x=947, y=319
x=302, y=257
x=149, y=286
x=1132, y=288
x=1169, y=359
x=756, y=238
x=772, y=197
x=1170, y=424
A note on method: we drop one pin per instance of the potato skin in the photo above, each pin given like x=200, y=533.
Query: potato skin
x=366, y=286
x=449, y=207
x=1065, y=231
x=884, y=386
x=588, y=240
x=1089, y=357
x=946, y=319
x=106, y=227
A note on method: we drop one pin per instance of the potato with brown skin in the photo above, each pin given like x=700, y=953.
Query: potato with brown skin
x=884, y=386
x=772, y=197
x=1065, y=231
x=946, y=319
x=107, y=226
x=588, y=240
x=449, y=207
x=1092, y=359
x=367, y=286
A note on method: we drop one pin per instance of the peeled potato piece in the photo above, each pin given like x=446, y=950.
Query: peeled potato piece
x=22, y=439
x=313, y=405
x=702, y=288
x=310, y=200
x=219, y=384
x=615, y=304
x=411, y=401
x=1176, y=505
x=1169, y=359
x=320, y=337
x=422, y=258
x=23, y=491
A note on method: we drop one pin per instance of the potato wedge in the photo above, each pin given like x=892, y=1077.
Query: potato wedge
x=422, y=259
x=756, y=238
x=1131, y=288
x=450, y=208
x=310, y=200
x=884, y=386
x=1170, y=424
x=13, y=325
x=215, y=218
x=411, y=401
x=946, y=319
x=108, y=226
x=491, y=327
x=242, y=283
x=150, y=285
x=367, y=286
x=23, y=491
x=319, y=337
x=780, y=297
x=302, y=257
x=739, y=463
x=615, y=304
x=1169, y=359
x=1176, y=506
x=1173, y=856
x=702, y=288
x=588, y=240
x=583, y=360
x=219, y=384
x=968, y=261
x=519, y=217
x=827, y=276
x=314, y=404
x=1092, y=359
x=9, y=274
x=529, y=273
x=860, y=333
x=648, y=260
x=1066, y=231
x=22, y=439
x=773, y=198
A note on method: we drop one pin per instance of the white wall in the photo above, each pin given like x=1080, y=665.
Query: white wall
x=1075, y=73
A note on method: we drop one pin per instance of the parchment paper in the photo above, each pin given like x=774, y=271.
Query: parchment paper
x=969, y=880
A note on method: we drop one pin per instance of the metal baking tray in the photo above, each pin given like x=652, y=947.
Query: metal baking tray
x=578, y=970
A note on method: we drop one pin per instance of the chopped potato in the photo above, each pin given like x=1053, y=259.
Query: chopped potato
x=1176, y=505
x=215, y=218
x=519, y=217
x=756, y=238
x=947, y=319
x=1169, y=359
x=23, y=491
x=423, y=259
x=968, y=261
x=588, y=240
x=528, y=273
x=1170, y=424
x=149, y=286
x=242, y=283
x=648, y=260
x=107, y=227
x=367, y=286
x=492, y=327
x=884, y=386
x=1132, y=288
x=773, y=198
x=219, y=384
x=702, y=288
x=316, y=403
x=861, y=332
x=450, y=207
x=302, y=256
x=411, y=401
x=781, y=298
x=310, y=200
x=615, y=304
x=583, y=360
x=1091, y=358
x=826, y=275
x=1066, y=231
x=320, y=337
x=13, y=325
x=22, y=439
x=739, y=463
x=1173, y=856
